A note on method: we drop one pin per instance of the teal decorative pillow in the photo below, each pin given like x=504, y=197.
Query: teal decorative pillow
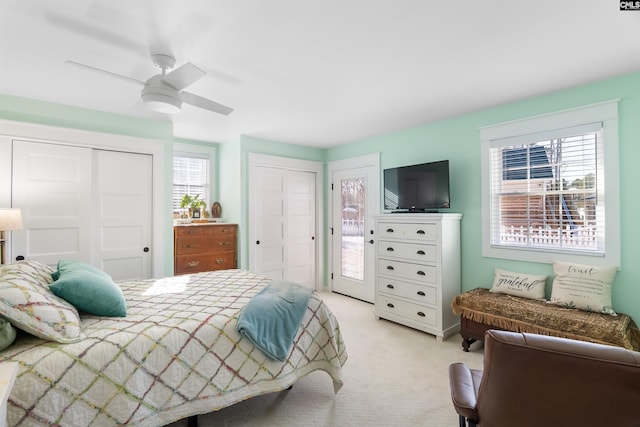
x=27, y=303
x=89, y=289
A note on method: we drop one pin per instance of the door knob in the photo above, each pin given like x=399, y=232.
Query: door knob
x=371, y=241
x=257, y=242
x=145, y=249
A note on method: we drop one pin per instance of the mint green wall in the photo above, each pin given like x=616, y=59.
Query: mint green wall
x=457, y=139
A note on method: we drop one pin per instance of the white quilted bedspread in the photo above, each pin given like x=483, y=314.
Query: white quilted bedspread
x=176, y=354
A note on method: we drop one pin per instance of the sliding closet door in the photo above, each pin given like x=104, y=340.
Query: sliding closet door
x=85, y=205
x=282, y=217
x=51, y=183
x=122, y=213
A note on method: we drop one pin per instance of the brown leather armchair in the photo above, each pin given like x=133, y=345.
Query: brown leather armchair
x=537, y=380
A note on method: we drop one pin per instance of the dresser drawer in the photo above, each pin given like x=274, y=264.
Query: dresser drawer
x=204, y=230
x=200, y=244
x=419, y=252
x=420, y=293
x=425, y=315
x=422, y=232
x=205, y=262
x=406, y=270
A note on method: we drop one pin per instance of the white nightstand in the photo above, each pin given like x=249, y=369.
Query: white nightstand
x=8, y=373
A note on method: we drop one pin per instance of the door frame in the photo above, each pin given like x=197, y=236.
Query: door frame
x=369, y=160
x=10, y=130
x=255, y=159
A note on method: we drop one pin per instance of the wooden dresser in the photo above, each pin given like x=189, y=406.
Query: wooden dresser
x=204, y=247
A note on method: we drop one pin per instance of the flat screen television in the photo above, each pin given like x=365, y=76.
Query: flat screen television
x=417, y=188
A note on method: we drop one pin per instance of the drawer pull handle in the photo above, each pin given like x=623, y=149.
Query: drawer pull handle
x=389, y=267
x=390, y=286
x=422, y=294
x=420, y=232
x=187, y=246
x=421, y=273
x=421, y=314
x=390, y=249
x=390, y=305
x=389, y=230
x=220, y=261
x=193, y=263
x=420, y=253
x=223, y=243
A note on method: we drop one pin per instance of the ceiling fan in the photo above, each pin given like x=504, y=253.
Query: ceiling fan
x=164, y=92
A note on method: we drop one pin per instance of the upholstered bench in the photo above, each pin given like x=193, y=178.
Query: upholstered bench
x=481, y=310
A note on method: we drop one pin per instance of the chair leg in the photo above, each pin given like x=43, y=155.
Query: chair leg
x=472, y=423
x=463, y=421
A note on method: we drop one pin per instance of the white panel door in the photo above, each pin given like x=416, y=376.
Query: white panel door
x=268, y=215
x=122, y=213
x=301, y=225
x=52, y=185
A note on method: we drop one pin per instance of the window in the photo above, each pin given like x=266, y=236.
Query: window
x=192, y=173
x=551, y=189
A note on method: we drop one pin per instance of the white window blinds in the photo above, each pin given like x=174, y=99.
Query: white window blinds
x=547, y=190
x=190, y=176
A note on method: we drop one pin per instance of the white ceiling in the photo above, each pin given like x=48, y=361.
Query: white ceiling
x=314, y=72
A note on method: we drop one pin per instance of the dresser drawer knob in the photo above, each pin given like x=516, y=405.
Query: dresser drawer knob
x=390, y=267
x=390, y=305
x=390, y=249
x=193, y=263
x=220, y=261
x=422, y=294
x=389, y=230
x=420, y=253
x=421, y=273
x=420, y=232
x=223, y=243
x=421, y=314
x=390, y=286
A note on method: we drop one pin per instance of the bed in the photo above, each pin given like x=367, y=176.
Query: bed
x=176, y=354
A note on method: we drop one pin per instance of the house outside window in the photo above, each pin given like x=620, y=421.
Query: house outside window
x=192, y=173
x=550, y=187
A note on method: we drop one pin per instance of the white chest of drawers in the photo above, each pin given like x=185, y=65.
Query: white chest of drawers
x=418, y=270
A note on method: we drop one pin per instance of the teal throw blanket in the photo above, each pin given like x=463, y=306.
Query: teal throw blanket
x=271, y=319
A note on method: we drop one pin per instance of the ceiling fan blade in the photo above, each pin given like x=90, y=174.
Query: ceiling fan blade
x=109, y=73
x=183, y=76
x=207, y=104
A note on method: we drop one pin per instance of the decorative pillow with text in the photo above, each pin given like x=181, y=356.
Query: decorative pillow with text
x=584, y=287
x=523, y=285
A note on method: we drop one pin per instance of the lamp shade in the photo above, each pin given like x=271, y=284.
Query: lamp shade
x=10, y=219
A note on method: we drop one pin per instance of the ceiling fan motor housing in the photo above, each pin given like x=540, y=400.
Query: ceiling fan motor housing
x=158, y=96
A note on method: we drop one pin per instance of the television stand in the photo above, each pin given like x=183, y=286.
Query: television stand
x=413, y=211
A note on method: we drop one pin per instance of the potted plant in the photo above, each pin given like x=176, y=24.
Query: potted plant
x=194, y=204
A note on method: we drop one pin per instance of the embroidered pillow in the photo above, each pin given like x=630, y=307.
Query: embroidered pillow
x=28, y=304
x=519, y=284
x=583, y=286
x=89, y=289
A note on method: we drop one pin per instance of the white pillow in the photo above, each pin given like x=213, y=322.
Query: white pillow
x=27, y=303
x=583, y=286
x=519, y=284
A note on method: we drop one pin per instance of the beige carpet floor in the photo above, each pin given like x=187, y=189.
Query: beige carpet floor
x=395, y=376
